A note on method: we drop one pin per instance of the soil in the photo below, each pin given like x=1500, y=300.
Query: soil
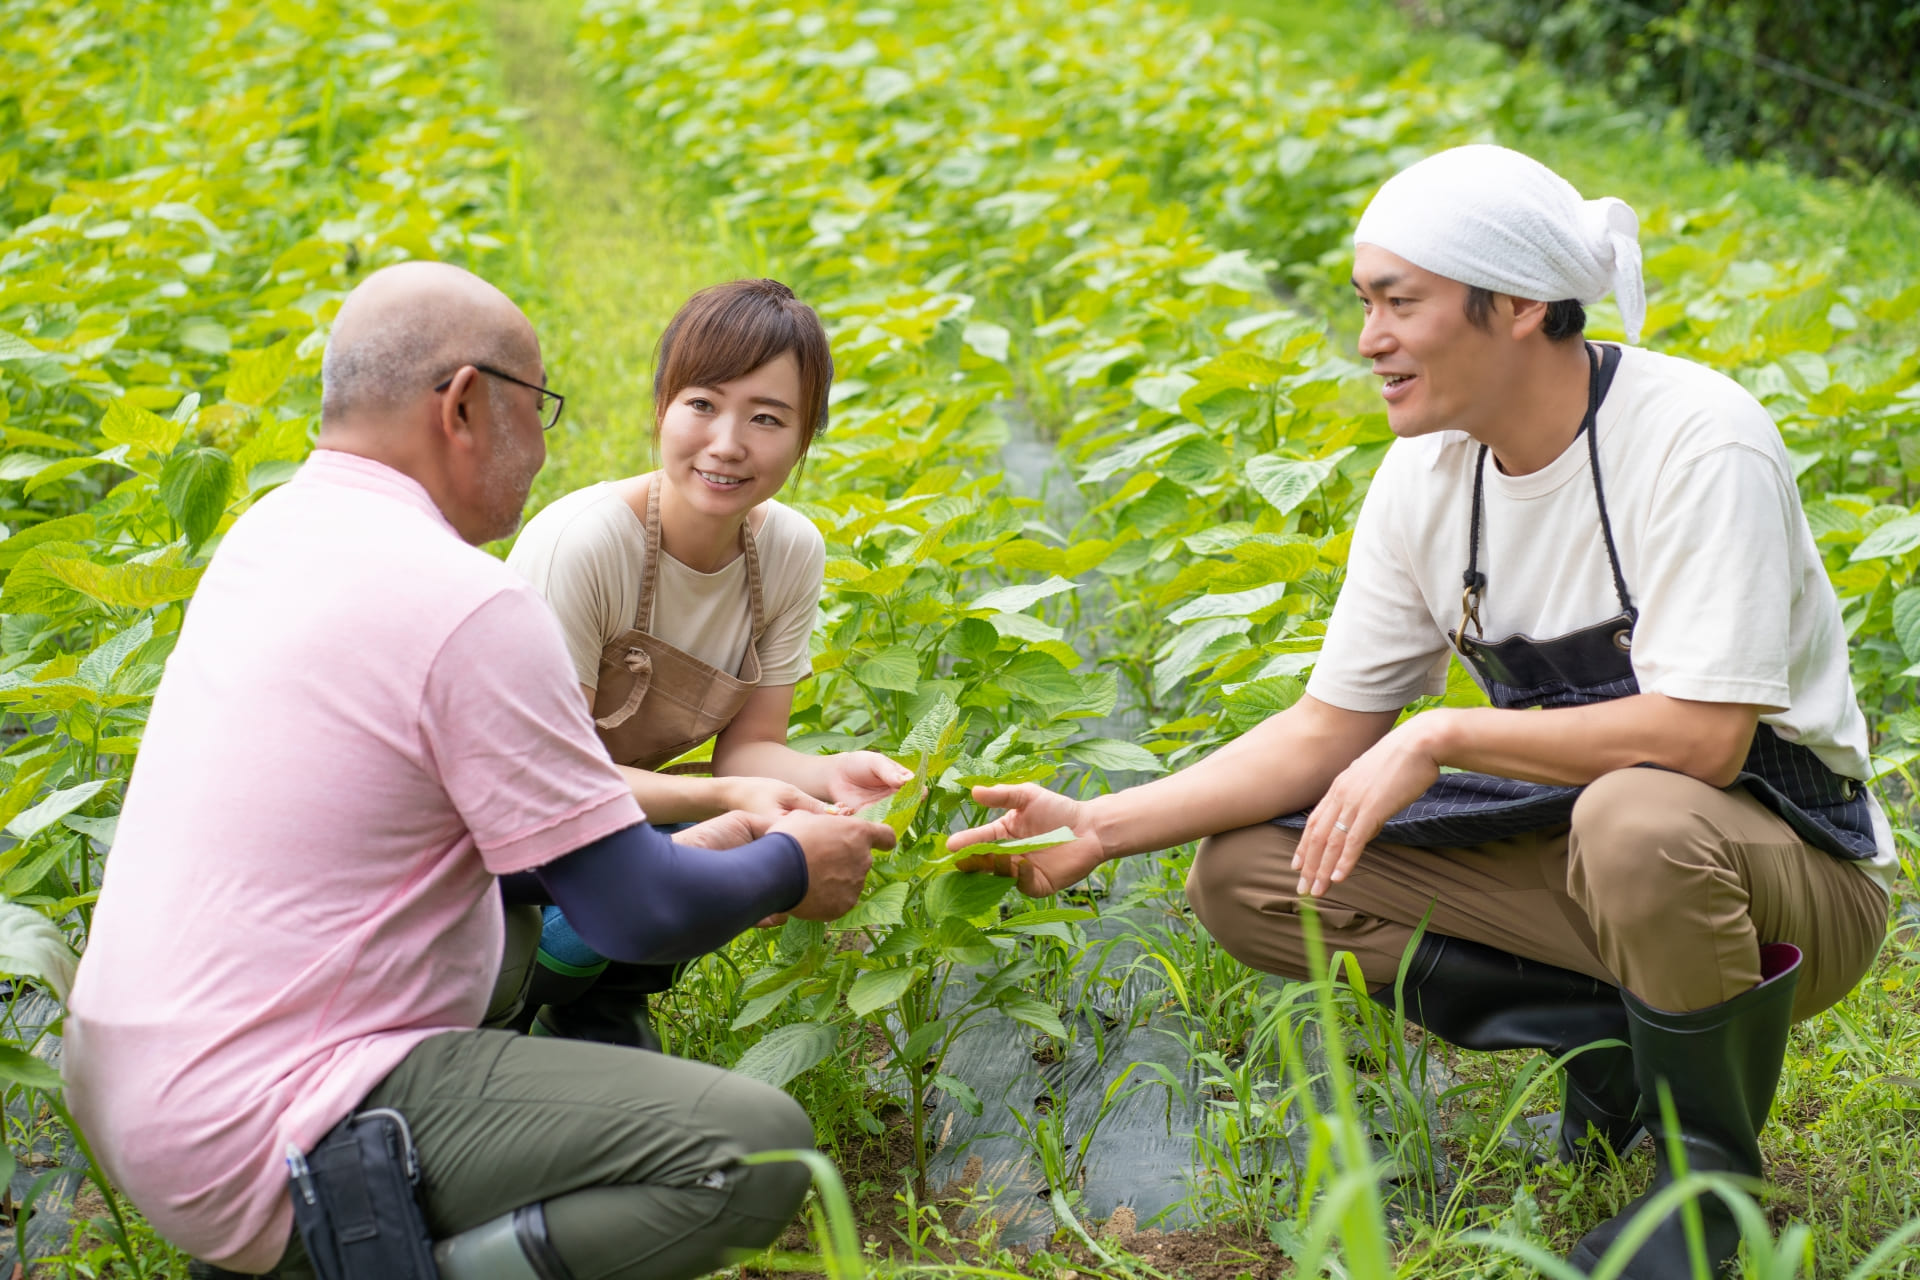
x=875, y=1172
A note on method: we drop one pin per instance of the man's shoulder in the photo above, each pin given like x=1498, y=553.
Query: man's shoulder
x=1687, y=406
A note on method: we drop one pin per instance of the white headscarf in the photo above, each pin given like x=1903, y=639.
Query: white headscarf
x=1503, y=221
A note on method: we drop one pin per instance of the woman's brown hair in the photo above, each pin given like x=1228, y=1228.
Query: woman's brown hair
x=728, y=331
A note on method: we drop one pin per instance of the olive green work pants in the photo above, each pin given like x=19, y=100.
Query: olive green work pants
x=1663, y=885
x=634, y=1154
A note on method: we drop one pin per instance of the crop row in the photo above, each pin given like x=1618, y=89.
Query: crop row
x=173, y=243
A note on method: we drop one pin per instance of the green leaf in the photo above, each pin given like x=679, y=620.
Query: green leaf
x=964, y=894
x=960, y=943
x=1162, y=391
x=195, y=484
x=935, y=732
x=1030, y=844
x=1232, y=270
x=32, y=946
x=15, y=347
x=961, y=1092
x=1906, y=622
x=763, y=1004
x=785, y=1052
x=990, y=340
x=896, y=667
x=1033, y=1013
x=256, y=378
x=55, y=807
x=878, y=988
x=1116, y=756
x=884, y=907
x=97, y=668
x=1893, y=539
x=17, y=1066
x=1286, y=483
x=1231, y=604
x=923, y=1039
x=129, y=424
x=118, y=586
x=1039, y=678
x=1014, y=599
x=1022, y=626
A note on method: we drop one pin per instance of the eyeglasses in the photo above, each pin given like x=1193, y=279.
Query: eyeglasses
x=547, y=419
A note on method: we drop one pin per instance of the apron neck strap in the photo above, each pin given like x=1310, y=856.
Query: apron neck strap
x=1600, y=371
x=650, y=573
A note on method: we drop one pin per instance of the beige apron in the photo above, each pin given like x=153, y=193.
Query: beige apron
x=654, y=701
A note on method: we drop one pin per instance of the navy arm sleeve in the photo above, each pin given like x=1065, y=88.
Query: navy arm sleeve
x=638, y=897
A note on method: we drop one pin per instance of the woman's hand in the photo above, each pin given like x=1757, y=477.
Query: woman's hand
x=1388, y=776
x=856, y=779
x=768, y=797
x=1033, y=811
x=728, y=831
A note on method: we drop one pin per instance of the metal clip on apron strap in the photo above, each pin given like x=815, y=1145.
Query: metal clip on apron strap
x=1474, y=582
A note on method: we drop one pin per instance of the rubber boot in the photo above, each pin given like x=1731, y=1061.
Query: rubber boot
x=551, y=986
x=1720, y=1066
x=1478, y=997
x=613, y=1010
x=513, y=1246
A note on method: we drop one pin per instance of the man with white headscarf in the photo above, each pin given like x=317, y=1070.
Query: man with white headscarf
x=1659, y=832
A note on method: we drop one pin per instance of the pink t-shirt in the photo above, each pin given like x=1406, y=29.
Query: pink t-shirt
x=365, y=721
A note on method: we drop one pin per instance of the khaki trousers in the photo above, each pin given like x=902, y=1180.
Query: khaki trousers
x=1662, y=885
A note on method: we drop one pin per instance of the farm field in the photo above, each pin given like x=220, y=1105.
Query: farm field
x=1098, y=440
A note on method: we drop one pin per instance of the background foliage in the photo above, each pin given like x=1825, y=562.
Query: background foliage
x=1720, y=63
x=1096, y=449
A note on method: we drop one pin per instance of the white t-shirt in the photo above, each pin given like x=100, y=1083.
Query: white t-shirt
x=585, y=553
x=1735, y=605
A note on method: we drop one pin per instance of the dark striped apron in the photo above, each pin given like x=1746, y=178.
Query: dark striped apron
x=1595, y=664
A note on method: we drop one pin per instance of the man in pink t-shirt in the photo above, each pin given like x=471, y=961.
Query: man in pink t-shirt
x=367, y=733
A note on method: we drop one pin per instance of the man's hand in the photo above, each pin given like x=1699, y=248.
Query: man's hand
x=1033, y=811
x=838, y=853
x=1386, y=778
x=728, y=831
x=856, y=779
x=769, y=797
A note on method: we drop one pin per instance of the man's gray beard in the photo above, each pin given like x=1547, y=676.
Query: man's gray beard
x=509, y=482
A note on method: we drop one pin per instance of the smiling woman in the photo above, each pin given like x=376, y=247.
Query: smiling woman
x=687, y=596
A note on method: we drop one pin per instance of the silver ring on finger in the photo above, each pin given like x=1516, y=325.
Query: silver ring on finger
x=1340, y=826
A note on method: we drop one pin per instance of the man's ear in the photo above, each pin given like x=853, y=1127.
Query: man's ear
x=1527, y=315
x=453, y=421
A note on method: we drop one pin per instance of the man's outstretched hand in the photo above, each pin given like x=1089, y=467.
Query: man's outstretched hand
x=839, y=852
x=1033, y=811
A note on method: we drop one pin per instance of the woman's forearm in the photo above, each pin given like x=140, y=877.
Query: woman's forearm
x=760, y=758
x=672, y=797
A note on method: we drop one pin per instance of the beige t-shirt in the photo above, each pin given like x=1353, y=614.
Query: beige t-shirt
x=585, y=553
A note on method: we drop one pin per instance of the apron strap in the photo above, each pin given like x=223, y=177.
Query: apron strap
x=640, y=663
x=1600, y=371
x=650, y=572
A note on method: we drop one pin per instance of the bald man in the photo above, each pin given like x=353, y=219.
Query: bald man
x=368, y=735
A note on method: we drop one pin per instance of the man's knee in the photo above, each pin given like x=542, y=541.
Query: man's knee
x=763, y=1118
x=1636, y=839
x=1220, y=884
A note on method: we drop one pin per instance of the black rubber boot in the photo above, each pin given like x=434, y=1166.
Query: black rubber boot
x=1478, y=997
x=1720, y=1066
x=613, y=1010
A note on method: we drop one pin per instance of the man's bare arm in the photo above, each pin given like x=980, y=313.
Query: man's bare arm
x=1574, y=745
x=1282, y=765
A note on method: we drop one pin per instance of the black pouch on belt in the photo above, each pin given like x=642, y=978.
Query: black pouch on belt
x=356, y=1204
